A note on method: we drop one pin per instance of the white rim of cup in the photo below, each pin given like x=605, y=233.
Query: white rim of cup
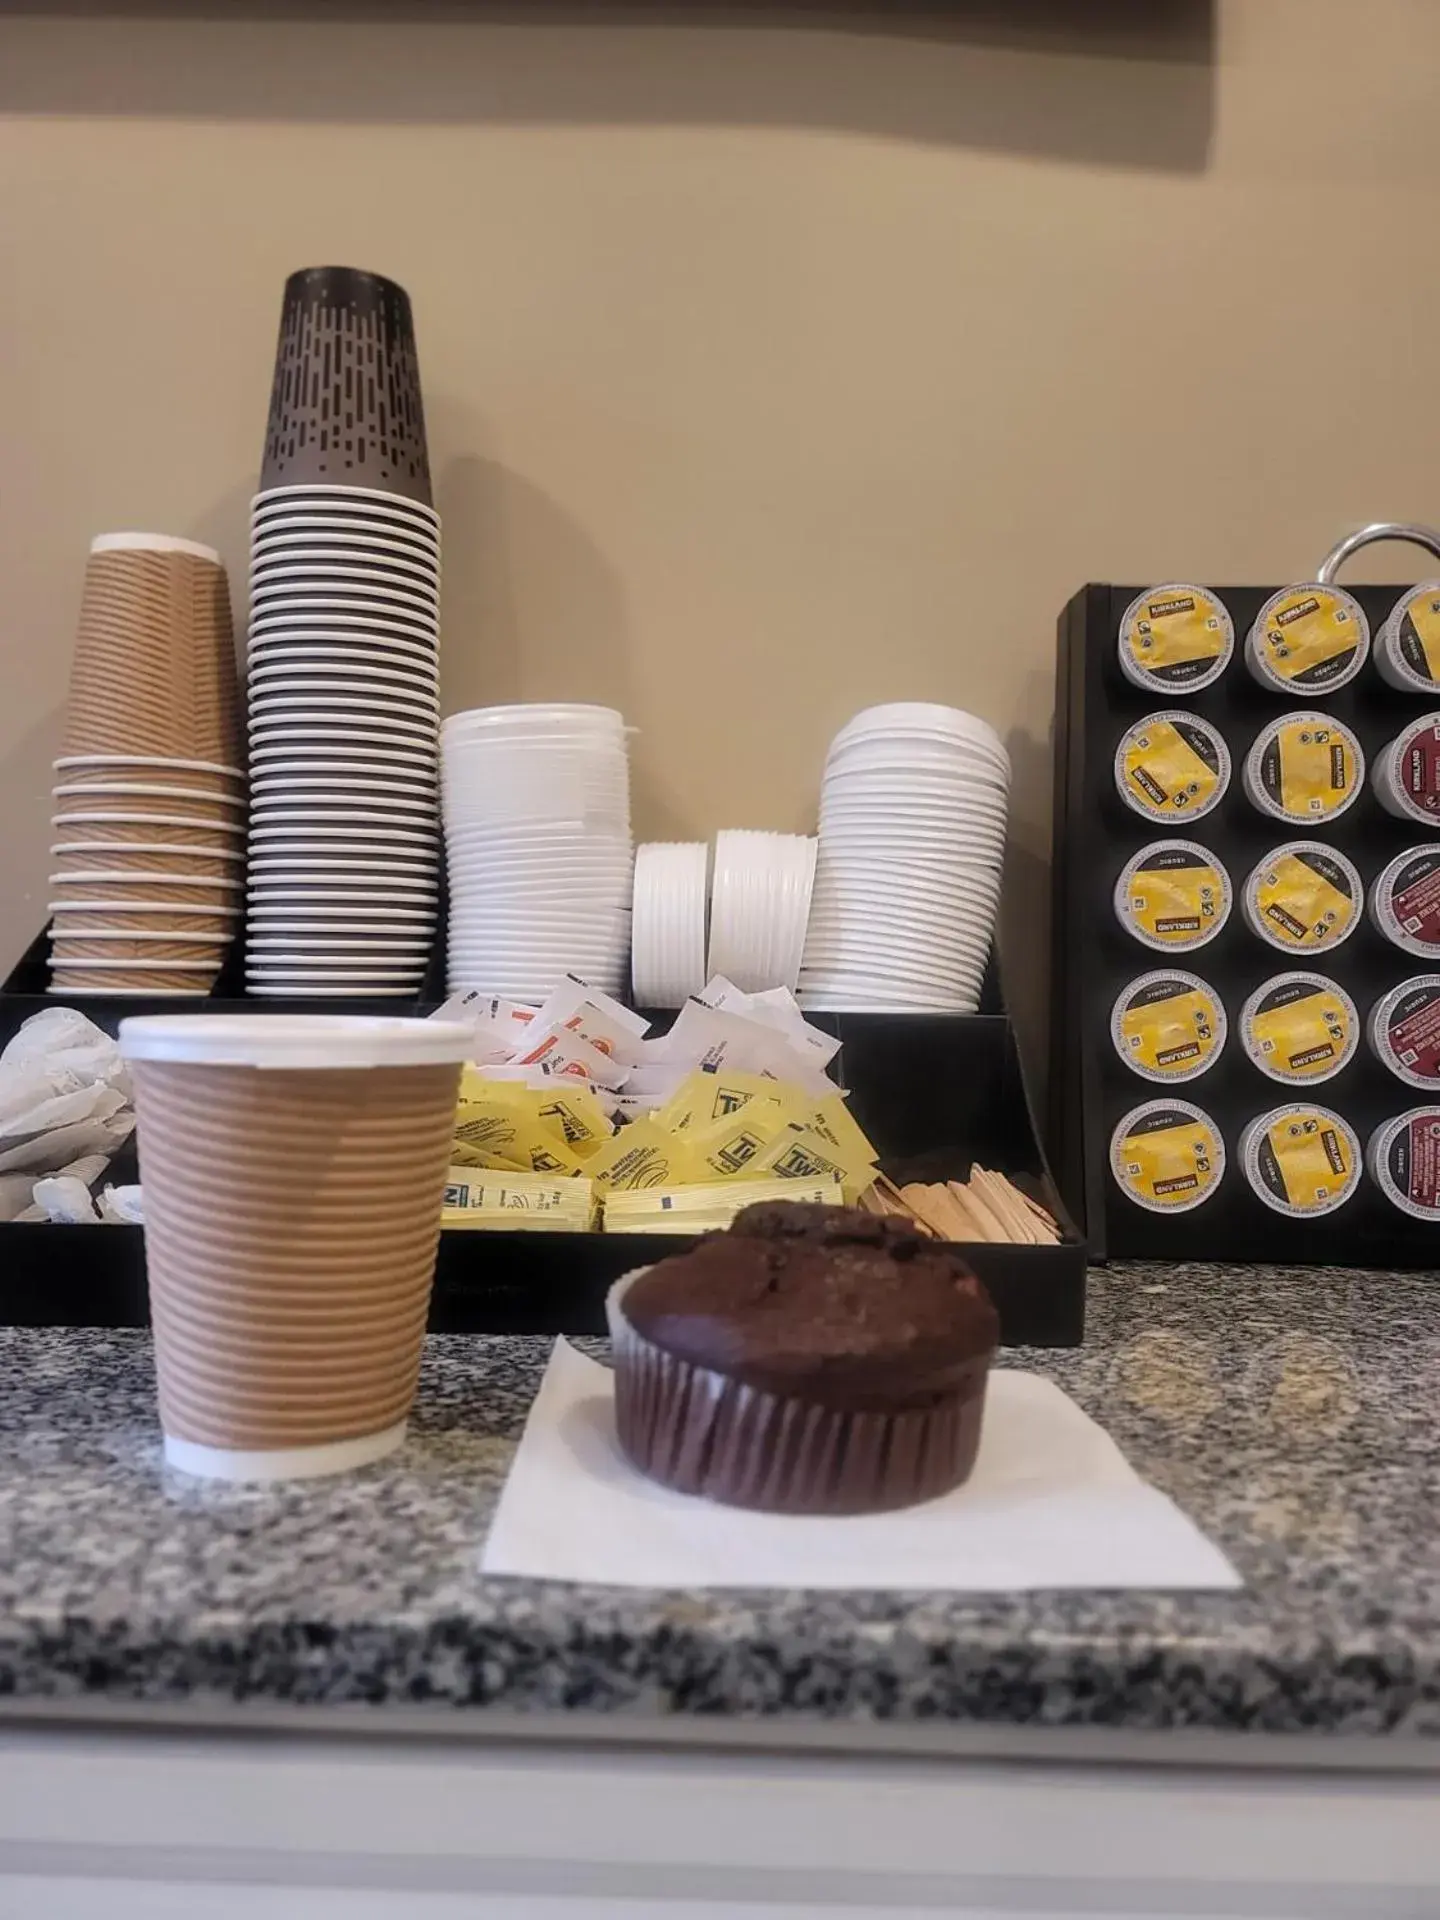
x=127, y=965
x=303, y=673
x=334, y=589
x=270, y=647
x=71, y=788
x=105, y=877
x=153, y=543
x=188, y=909
x=301, y=489
x=194, y=938
x=144, y=760
x=284, y=610
x=295, y=1041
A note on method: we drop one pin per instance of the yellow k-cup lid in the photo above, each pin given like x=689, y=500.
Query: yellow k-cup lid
x=1175, y=639
x=1301, y=1028
x=1173, y=895
x=1407, y=648
x=1301, y=1160
x=1167, y=1156
x=1303, y=897
x=1172, y=766
x=1168, y=1026
x=1308, y=639
x=1305, y=768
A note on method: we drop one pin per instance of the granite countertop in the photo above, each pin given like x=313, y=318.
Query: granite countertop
x=1291, y=1413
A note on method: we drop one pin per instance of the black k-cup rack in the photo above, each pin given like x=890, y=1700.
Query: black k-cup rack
x=1095, y=957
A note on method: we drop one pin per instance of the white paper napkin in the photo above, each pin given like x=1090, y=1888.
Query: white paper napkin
x=1052, y=1503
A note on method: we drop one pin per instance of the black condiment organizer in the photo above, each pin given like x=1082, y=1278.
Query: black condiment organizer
x=1094, y=957
x=929, y=1090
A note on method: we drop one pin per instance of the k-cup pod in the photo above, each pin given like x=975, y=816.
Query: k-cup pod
x=1168, y=1026
x=1403, y=1155
x=1407, y=647
x=1175, y=639
x=1300, y=1028
x=1304, y=768
x=1405, y=902
x=1406, y=775
x=1167, y=1156
x=1171, y=767
x=1404, y=1031
x=1303, y=897
x=1301, y=1160
x=1174, y=895
x=1308, y=640
x=293, y=1168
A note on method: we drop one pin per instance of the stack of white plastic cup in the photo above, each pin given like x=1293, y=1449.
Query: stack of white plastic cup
x=538, y=850
x=912, y=844
x=760, y=907
x=668, y=929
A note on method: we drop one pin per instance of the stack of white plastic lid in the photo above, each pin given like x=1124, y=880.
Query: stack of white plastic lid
x=760, y=907
x=668, y=929
x=344, y=706
x=912, y=842
x=538, y=848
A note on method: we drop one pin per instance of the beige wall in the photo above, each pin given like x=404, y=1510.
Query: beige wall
x=771, y=370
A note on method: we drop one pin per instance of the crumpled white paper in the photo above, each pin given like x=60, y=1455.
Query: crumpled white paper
x=64, y=1111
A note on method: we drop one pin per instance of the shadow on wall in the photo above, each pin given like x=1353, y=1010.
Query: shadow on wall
x=1125, y=83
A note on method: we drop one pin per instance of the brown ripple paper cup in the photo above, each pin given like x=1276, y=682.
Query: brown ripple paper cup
x=293, y=1169
x=130, y=980
x=140, y=946
x=187, y=775
x=193, y=863
x=701, y=1433
x=77, y=825
x=153, y=673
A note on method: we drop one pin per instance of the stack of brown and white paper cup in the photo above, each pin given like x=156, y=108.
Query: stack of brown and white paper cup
x=343, y=675
x=293, y=1169
x=147, y=861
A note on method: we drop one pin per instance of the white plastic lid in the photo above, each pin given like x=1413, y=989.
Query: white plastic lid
x=152, y=543
x=294, y=1040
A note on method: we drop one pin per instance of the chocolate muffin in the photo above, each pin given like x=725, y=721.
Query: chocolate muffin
x=810, y=1360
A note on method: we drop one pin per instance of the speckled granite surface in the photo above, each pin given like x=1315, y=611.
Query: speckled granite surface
x=1293, y=1414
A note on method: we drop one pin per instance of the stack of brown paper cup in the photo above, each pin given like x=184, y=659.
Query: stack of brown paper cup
x=293, y=1170
x=147, y=869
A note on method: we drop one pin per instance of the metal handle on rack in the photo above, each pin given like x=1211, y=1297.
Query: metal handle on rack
x=1416, y=536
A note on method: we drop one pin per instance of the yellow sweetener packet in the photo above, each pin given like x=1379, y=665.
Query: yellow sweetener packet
x=731, y=1147
x=643, y=1154
x=833, y=1121
x=498, y=1123
x=507, y=1200
x=577, y=1117
x=802, y=1154
x=705, y=1097
x=705, y=1209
